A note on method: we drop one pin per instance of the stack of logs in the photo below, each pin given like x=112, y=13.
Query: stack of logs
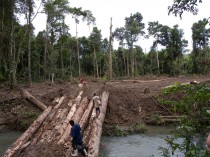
x=52, y=127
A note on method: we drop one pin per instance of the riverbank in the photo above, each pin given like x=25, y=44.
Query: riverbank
x=131, y=102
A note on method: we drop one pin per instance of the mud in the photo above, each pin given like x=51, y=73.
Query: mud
x=129, y=103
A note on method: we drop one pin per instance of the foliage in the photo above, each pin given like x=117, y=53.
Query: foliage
x=200, y=36
x=193, y=103
x=55, y=51
x=179, y=6
x=116, y=131
x=137, y=128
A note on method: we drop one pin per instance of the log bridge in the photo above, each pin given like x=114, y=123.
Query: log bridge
x=49, y=135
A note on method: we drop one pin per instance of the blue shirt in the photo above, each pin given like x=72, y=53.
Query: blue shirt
x=76, y=134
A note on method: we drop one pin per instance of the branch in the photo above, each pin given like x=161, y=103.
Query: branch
x=37, y=11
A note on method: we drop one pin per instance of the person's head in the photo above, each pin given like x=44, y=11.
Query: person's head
x=94, y=94
x=71, y=122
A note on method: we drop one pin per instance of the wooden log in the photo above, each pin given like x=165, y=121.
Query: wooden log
x=86, y=115
x=48, y=135
x=171, y=120
x=66, y=122
x=173, y=116
x=55, y=109
x=90, y=125
x=35, y=101
x=96, y=131
x=23, y=139
x=46, y=123
x=76, y=117
x=50, y=121
x=65, y=133
x=80, y=111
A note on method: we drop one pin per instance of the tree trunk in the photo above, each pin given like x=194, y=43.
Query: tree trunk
x=50, y=133
x=1, y=38
x=78, y=53
x=29, y=41
x=66, y=122
x=27, y=134
x=124, y=61
x=80, y=111
x=132, y=62
x=35, y=101
x=136, y=66
x=128, y=71
x=86, y=115
x=65, y=134
x=11, y=57
x=62, y=70
x=158, y=63
x=90, y=126
x=14, y=63
x=70, y=62
x=96, y=63
x=46, y=48
x=96, y=130
x=117, y=68
x=110, y=51
x=46, y=124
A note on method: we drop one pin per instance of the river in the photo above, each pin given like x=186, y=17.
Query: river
x=137, y=145
x=7, y=138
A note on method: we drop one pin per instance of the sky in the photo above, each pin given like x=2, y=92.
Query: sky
x=151, y=10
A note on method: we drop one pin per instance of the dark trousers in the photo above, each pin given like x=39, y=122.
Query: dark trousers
x=74, y=145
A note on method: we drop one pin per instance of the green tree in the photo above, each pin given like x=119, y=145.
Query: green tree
x=200, y=37
x=131, y=32
x=134, y=28
x=55, y=11
x=95, y=38
x=89, y=18
x=172, y=39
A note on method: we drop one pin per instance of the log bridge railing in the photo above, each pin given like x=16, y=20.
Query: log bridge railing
x=52, y=127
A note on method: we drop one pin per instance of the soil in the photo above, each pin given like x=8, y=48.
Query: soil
x=130, y=101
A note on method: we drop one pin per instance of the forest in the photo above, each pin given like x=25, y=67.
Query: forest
x=54, y=53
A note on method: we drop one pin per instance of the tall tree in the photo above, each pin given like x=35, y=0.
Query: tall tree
x=9, y=10
x=172, y=39
x=29, y=12
x=89, y=18
x=95, y=38
x=200, y=37
x=134, y=28
x=119, y=34
x=55, y=11
x=131, y=32
x=110, y=51
x=154, y=30
x=75, y=16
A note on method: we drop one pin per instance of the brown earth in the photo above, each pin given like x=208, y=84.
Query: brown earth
x=130, y=101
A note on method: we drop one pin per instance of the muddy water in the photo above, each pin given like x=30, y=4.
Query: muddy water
x=138, y=145
x=7, y=138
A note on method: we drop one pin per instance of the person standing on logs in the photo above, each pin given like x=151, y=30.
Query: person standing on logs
x=97, y=104
x=77, y=142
